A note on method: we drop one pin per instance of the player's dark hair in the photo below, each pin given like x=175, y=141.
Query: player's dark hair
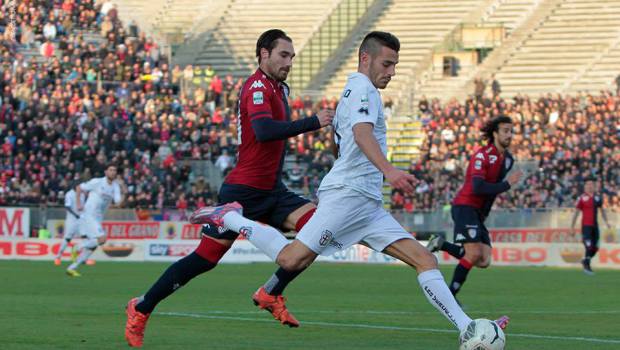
x=269, y=39
x=492, y=126
x=109, y=164
x=373, y=42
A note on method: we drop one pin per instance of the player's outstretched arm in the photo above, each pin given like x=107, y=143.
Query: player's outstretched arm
x=482, y=187
x=78, y=197
x=365, y=140
x=77, y=216
x=266, y=129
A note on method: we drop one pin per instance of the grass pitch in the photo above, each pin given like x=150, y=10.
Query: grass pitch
x=341, y=307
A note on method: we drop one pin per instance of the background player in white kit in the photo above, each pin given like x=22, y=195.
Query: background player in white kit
x=350, y=206
x=71, y=221
x=102, y=191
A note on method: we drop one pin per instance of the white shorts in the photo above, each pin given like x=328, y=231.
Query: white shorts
x=91, y=227
x=72, y=227
x=345, y=217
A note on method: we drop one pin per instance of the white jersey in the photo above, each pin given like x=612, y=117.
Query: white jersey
x=71, y=202
x=360, y=103
x=100, y=195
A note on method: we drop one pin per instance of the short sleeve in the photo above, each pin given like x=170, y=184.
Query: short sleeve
x=117, y=193
x=257, y=99
x=90, y=185
x=364, y=105
x=579, y=204
x=69, y=199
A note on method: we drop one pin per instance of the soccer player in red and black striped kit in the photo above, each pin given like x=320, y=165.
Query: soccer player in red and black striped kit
x=588, y=204
x=255, y=183
x=484, y=180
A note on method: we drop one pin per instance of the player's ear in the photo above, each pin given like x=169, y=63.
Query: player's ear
x=264, y=53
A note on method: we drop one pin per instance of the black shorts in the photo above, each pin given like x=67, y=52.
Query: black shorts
x=469, y=225
x=590, y=236
x=269, y=207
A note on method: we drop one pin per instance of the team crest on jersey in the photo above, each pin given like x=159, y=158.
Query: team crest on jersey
x=478, y=165
x=326, y=237
x=257, y=84
x=257, y=97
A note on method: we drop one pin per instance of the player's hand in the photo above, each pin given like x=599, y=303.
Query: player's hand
x=325, y=116
x=401, y=180
x=80, y=207
x=515, y=177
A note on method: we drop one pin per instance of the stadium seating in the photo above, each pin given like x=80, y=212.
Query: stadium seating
x=231, y=47
x=569, y=41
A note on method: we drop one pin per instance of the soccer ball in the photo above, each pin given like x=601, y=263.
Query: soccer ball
x=482, y=334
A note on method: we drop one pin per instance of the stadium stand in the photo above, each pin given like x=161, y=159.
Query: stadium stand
x=106, y=92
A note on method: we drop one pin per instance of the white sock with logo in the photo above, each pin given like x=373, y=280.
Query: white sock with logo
x=438, y=294
x=264, y=237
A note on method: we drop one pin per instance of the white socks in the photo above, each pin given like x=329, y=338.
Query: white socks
x=439, y=296
x=88, y=247
x=264, y=237
x=84, y=255
x=63, y=246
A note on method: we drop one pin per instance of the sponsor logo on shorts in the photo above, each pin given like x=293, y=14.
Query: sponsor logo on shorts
x=326, y=238
x=335, y=244
x=459, y=237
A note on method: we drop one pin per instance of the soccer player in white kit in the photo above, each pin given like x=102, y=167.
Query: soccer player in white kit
x=350, y=206
x=102, y=191
x=71, y=221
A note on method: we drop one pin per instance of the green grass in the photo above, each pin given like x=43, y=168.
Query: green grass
x=341, y=307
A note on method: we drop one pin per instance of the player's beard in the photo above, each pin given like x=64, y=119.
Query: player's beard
x=506, y=143
x=282, y=74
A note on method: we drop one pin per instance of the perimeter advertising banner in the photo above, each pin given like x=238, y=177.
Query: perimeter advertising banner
x=138, y=229
x=504, y=254
x=46, y=249
x=14, y=222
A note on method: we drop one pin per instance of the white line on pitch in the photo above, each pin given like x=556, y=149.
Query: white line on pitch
x=378, y=312
x=392, y=328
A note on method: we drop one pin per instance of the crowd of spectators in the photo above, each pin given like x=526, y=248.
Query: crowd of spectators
x=84, y=102
x=559, y=142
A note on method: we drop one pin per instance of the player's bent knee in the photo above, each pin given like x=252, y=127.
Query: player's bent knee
x=291, y=263
x=428, y=261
